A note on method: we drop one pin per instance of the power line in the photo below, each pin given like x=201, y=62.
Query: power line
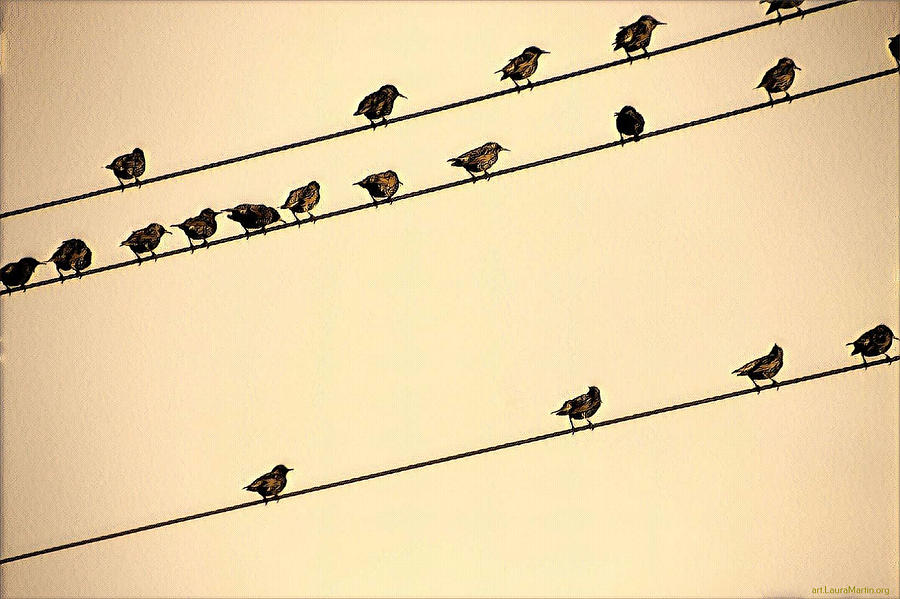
x=421, y=113
x=506, y=171
x=449, y=458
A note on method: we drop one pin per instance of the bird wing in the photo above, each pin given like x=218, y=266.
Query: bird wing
x=749, y=366
x=769, y=78
x=624, y=36
x=368, y=103
x=260, y=483
x=136, y=237
x=565, y=409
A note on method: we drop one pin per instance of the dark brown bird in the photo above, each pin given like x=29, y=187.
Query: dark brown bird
x=72, y=254
x=303, y=199
x=629, y=122
x=479, y=160
x=145, y=240
x=270, y=484
x=381, y=185
x=894, y=47
x=763, y=368
x=253, y=216
x=522, y=66
x=379, y=104
x=18, y=273
x=128, y=166
x=200, y=227
x=874, y=343
x=777, y=6
x=636, y=36
x=581, y=407
x=779, y=78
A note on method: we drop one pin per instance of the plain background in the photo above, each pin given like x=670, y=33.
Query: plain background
x=455, y=320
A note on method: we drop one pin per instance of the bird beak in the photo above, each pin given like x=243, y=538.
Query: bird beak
x=401, y=95
x=289, y=469
x=167, y=231
x=615, y=114
x=798, y=68
x=895, y=337
x=661, y=23
x=399, y=182
x=505, y=149
x=545, y=52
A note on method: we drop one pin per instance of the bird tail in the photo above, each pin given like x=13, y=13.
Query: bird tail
x=357, y=113
x=109, y=166
x=559, y=412
x=455, y=162
x=505, y=74
x=855, y=349
x=772, y=9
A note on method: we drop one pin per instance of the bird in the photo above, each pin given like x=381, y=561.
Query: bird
x=18, y=273
x=303, y=199
x=894, y=47
x=522, y=66
x=763, y=368
x=479, y=160
x=779, y=78
x=270, y=484
x=629, y=122
x=381, y=185
x=636, y=36
x=128, y=166
x=874, y=343
x=200, y=227
x=777, y=6
x=253, y=216
x=379, y=104
x=581, y=407
x=72, y=254
x=145, y=240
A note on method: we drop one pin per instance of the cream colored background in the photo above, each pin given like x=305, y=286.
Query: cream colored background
x=455, y=320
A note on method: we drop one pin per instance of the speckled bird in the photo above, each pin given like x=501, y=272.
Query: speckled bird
x=128, y=166
x=270, y=484
x=253, y=216
x=303, y=199
x=874, y=343
x=629, y=122
x=72, y=254
x=894, y=47
x=581, y=407
x=636, y=36
x=145, y=240
x=200, y=227
x=522, y=66
x=16, y=274
x=779, y=78
x=777, y=6
x=381, y=185
x=763, y=368
x=378, y=105
x=479, y=160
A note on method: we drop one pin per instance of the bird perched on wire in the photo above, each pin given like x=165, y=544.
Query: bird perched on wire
x=581, y=407
x=18, y=273
x=763, y=368
x=381, y=185
x=522, y=66
x=270, y=484
x=379, y=104
x=72, y=254
x=303, y=199
x=128, y=166
x=777, y=6
x=145, y=240
x=253, y=216
x=636, y=36
x=894, y=47
x=779, y=78
x=629, y=122
x=874, y=343
x=479, y=160
x=200, y=227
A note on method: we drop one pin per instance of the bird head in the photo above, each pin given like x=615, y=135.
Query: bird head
x=30, y=262
x=534, y=51
x=392, y=90
x=776, y=350
x=787, y=62
x=895, y=38
x=281, y=469
x=158, y=229
x=209, y=213
x=626, y=110
x=650, y=21
x=138, y=152
x=313, y=185
x=883, y=330
x=494, y=146
x=594, y=392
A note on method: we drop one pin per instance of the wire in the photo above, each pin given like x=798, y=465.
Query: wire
x=506, y=171
x=421, y=113
x=449, y=458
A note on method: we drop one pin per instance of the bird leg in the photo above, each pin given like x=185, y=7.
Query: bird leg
x=788, y=96
x=646, y=54
x=205, y=243
x=471, y=174
x=138, y=181
x=384, y=121
x=152, y=253
x=800, y=10
x=312, y=216
x=865, y=364
x=637, y=137
x=265, y=499
x=486, y=175
x=264, y=229
x=62, y=279
x=771, y=99
x=774, y=382
x=758, y=388
x=136, y=255
x=622, y=138
x=518, y=88
x=530, y=86
x=373, y=123
x=246, y=232
x=590, y=423
x=374, y=201
x=121, y=183
x=191, y=243
x=572, y=424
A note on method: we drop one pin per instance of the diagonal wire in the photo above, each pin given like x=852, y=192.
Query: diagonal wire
x=421, y=113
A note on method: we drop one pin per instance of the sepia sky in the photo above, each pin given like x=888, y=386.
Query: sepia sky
x=454, y=320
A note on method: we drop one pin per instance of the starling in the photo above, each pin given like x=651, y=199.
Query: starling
x=381, y=185
x=72, y=254
x=271, y=484
x=777, y=6
x=522, y=66
x=378, y=105
x=581, y=407
x=874, y=343
x=779, y=78
x=479, y=160
x=18, y=273
x=629, y=122
x=254, y=216
x=763, y=368
x=200, y=227
x=145, y=240
x=303, y=199
x=128, y=166
x=894, y=47
x=636, y=36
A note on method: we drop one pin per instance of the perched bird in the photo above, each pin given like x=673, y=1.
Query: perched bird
x=479, y=160
x=894, y=47
x=145, y=240
x=779, y=78
x=378, y=104
x=381, y=185
x=581, y=407
x=636, y=36
x=303, y=199
x=271, y=484
x=522, y=66
x=18, y=273
x=629, y=122
x=200, y=227
x=128, y=166
x=253, y=216
x=763, y=368
x=874, y=343
x=72, y=254
x=778, y=5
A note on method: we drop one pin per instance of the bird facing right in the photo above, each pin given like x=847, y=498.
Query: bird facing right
x=479, y=160
x=894, y=47
x=270, y=484
x=16, y=274
x=779, y=78
x=522, y=66
x=378, y=105
x=777, y=6
x=874, y=343
x=128, y=166
x=381, y=185
x=629, y=122
x=636, y=36
x=253, y=216
x=72, y=254
x=200, y=227
x=581, y=407
x=303, y=199
x=763, y=368
x=145, y=240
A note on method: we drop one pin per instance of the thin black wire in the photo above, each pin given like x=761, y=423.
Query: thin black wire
x=421, y=113
x=460, y=182
x=449, y=458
